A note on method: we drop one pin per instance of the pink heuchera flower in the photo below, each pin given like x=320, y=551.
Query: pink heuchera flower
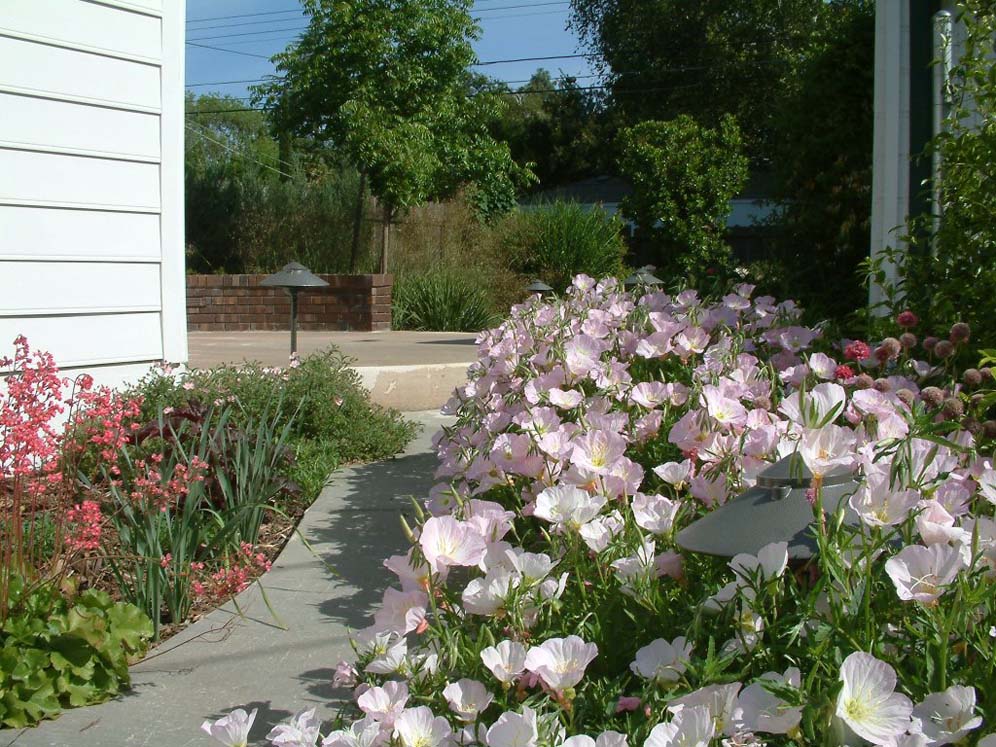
x=560, y=662
x=447, y=542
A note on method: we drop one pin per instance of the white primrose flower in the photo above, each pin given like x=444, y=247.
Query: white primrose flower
x=506, y=661
x=662, y=661
x=447, y=542
x=988, y=741
x=419, y=727
x=514, y=729
x=879, y=505
x=598, y=533
x=758, y=709
x=534, y=567
x=300, y=731
x=824, y=449
x=921, y=573
x=868, y=702
x=232, y=730
x=605, y=739
x=560, y=662
x=487, y=595
x=467, y=698
x=769, y=563
x=394, y=659
x=384, y=703
x=689, y=727
x=720, y=701
x=675, y=473
x=567, y=506
x=946, y=717
x=655, y=513
x=366, y=732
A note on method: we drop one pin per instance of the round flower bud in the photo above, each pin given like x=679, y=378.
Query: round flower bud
x=953, y=408
x=972, y=377
x=892, y=347
x=960, y=332
x=864, y=381
x=907, y=319
x=971, y=425
x=906, y=396
x=943, y=349
x=989, y=429
x=883, y=385
x=907, y=340
x=932, y=396
x=976, y=399
x=762, y=403
x=929, y=343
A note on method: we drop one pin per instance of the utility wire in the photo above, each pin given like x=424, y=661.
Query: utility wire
x=278, y=12
x=235, y=151
x=230, y=51
x=302, y=28
x=301, y=11
x=653, y=89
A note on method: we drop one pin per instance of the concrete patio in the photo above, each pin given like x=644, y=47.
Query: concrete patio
x=409, y=371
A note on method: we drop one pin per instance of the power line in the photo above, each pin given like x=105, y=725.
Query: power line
x=302, y=28
x=652, y=89
x=235, y=151
x=279, y=12
x=230, y=51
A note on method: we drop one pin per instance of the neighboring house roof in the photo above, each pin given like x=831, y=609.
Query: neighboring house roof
x=610, y=190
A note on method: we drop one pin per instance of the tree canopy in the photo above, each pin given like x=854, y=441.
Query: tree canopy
x=385, y=83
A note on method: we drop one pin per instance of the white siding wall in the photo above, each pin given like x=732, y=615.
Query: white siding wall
x=91, y=182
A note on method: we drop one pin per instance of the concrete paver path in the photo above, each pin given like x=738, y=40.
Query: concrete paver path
x=225, y=661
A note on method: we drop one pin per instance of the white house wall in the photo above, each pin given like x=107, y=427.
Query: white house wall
x=91, y=182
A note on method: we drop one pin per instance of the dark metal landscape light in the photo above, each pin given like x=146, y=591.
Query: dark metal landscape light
x=643, y=276
x=776, y=509
x=293, y=278
x=538, y=286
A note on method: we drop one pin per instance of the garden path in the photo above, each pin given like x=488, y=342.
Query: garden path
x=226, y=661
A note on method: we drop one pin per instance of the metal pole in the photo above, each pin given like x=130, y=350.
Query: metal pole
x=293, y=295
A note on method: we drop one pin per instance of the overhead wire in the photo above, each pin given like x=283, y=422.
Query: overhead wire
x=199, y=129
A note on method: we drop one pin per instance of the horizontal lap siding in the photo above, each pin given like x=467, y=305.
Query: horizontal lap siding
x=90, y=182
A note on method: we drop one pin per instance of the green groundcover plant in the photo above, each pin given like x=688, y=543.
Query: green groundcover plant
x=545, y=602
x=56, y=654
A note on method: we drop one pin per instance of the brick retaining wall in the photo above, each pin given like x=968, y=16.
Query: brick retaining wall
x=217, y=303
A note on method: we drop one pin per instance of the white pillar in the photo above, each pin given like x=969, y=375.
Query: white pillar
x=891, y=155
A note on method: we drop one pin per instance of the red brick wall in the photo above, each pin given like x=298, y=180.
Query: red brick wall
x=237, y=302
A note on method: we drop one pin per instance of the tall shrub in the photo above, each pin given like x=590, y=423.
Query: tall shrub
x=684, y=176
x=558, y=240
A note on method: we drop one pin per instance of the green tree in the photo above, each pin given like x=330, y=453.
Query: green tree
x=823, y=169
x=948, y=272
x=384, y=83
x=706, y=58
x=683, y=176
x=554, y=125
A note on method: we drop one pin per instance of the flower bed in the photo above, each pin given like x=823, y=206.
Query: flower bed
x=545, y=601
x=124, y=515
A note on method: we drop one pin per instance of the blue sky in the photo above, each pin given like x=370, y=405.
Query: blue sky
x=510, y=29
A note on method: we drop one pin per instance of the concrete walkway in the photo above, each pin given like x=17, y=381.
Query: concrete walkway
x=409, y=371
x=225, y=661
